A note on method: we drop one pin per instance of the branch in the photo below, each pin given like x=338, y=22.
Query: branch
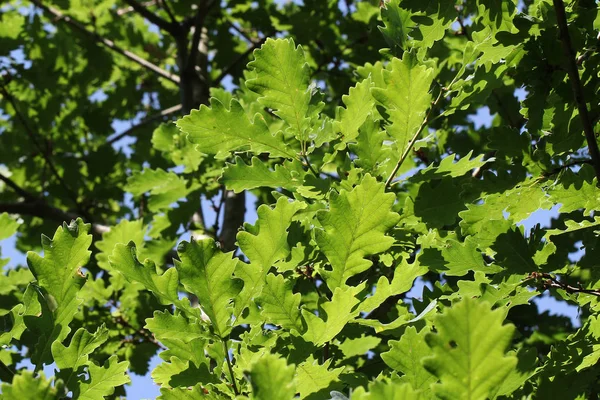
x=558, y=169
x=548, y=281
x=41, y=209
x=19, y=190
x=126, y=10
x=108, y=43
x=142, y=332
x=164, y=113
x=170, y=27
x=573, y=73
x=166, y=7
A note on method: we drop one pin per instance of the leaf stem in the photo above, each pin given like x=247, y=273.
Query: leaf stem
x=230, y=367
x=573, y=74
x=414, y=138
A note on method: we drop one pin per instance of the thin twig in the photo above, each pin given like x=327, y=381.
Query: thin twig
x=164, y=113
x=573, y=73
x=108, y=43
x=230, y=367
x=126, y=10
x=171, y=27
x=548, y=281
x=142, y=332
x=168, y=10
x=408, y=148
x=558, y=169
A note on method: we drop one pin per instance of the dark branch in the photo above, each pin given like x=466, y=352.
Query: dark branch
x=41, y=209
x=108, y=43
x=19, y=190
x=164, y=113
x=126, y=10
x=548, y=281
x=170, y=27
x=168, y=10
x=573, y=73
x=558, y=169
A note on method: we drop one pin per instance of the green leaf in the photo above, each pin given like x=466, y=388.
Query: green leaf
x=397, y=26
x=280, y=306
x=359, y=106
x=103, y=380
x=572, y=226
x=452, y=257
x=8, y=226
x=165, y=286
x=438, y=203
x=406, y=97
x=576, y=191
x=271, y=378
x=165, y=325
x=207, y=272
x=370, y=149
x=264, y=244
x=402, y=282
x=405, y=355
x=469, y=351
x=70, y=359
x=124, y=232
x=240, y=176
x=311, y=376
x=282, y=78
x=219, y=130
x=165, y=187
x=338, y=312
x=448, y=167
x=58, y=272
x=354, y=228
x=379, y=390
x=358, y=346
x=27, y=386
x=193, y=393
x=174, y=145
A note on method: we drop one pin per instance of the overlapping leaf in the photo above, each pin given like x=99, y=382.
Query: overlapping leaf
x=406, y=97
x=59, y=274
x=220, y=130
x=207, y=272
x=282, y=79
x=469, y=351
x=354, y=228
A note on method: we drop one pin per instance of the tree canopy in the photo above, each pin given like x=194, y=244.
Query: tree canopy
x=137, y=138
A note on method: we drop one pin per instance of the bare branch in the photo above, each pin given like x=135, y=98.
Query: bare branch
x=164, y=113
x=548, y=281
x=166, y=7
x=108, y=43
x=127, y=10
x=560, y=168
x=41, y=209
x=573, y=73
x=170, y=27
x=19, y=190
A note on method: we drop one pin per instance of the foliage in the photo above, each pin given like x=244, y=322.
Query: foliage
x=352, y=125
